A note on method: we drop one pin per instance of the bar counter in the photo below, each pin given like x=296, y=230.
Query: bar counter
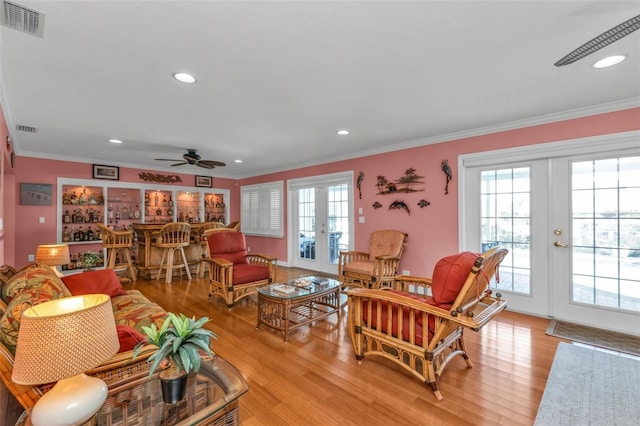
x=148, y=256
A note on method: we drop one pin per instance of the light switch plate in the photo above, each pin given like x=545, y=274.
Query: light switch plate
x=361, y=219
x=41, y=219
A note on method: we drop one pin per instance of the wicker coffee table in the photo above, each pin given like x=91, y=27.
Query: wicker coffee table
x=308, y=299
x=211, y=399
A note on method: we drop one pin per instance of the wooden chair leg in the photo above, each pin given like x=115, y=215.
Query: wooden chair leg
x=132, y=271
x=185, y=263
x=164, y=254
x=171, y=251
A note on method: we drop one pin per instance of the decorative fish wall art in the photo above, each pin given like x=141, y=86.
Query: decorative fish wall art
x=400, y=205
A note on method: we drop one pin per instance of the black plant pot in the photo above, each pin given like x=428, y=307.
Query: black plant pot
x=173, y=389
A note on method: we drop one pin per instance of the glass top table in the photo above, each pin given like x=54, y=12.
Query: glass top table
x=212, y=398
x=287, y=306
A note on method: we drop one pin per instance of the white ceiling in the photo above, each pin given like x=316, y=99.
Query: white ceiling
x=276, y=80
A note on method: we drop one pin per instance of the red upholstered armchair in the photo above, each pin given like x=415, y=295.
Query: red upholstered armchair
x=376, y=267
x=236, y=274
x=419, y=324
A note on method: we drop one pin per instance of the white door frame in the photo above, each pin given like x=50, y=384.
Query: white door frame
x=617, y=142
x=293, y=185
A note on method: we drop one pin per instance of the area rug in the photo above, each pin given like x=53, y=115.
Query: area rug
x=590, y=387
x=595, y=336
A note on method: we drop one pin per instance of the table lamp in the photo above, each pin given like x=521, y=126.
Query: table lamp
x=53, y=255
x=58, y=341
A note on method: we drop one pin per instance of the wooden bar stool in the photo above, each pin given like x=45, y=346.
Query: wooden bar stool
x=204, y=245
x=172, y=238
x=118, y=241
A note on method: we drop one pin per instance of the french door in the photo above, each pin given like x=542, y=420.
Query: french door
x=321, y=221
x=571, y=221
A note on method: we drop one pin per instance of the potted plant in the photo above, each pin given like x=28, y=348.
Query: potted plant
x=91, y=259
x=180, y=341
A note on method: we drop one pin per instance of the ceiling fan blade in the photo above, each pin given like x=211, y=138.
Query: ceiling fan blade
x=205, y=165
x=212, y=163
x=179, y=164
x=166, y=159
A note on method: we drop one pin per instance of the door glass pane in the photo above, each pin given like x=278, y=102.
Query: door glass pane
x=506, y=220
x=606, y=232
x=338, y=232
x=307, y=223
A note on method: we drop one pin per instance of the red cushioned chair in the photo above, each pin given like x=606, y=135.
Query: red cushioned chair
x=419, y=323
x=236, y=274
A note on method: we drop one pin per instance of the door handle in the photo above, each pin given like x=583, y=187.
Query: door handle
x=560, y=244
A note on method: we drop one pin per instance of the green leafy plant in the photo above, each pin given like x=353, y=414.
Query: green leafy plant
x=91, y=259
x=180, y=340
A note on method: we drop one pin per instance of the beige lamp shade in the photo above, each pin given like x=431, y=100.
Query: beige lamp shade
x=53, y=254
x=64, y=337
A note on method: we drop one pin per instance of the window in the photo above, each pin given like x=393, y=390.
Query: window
x=261, y=209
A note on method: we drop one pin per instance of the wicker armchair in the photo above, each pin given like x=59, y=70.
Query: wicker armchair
x=236, y=274
x=118, y=241
x=376, y=268
x=204, y=241
x=422, y=332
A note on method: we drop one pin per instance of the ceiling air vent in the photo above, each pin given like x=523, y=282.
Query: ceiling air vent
x=22, y=19
x=27, y=129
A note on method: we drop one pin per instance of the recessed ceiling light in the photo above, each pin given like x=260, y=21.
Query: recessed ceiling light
x=610, y=61
x=183, y=77
x=237, y=161
x=343, y=132
x=115, y=141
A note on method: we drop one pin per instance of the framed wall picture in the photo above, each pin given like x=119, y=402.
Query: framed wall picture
x=36, y=194
x=204, y=181
x=106, y=172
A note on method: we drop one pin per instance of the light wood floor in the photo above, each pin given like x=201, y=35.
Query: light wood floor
x=314, y=379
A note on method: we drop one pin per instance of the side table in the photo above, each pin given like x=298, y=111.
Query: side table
x=212, y=398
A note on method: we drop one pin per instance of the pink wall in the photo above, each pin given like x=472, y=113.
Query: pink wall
x=29, y=233
x=433, y=230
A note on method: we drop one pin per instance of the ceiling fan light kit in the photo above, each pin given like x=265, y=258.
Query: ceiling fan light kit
x=603, y=40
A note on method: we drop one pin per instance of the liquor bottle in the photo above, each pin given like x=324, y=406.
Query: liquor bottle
x=87, y=216
x=83, y=197
x=66, y=234
x=66, y=217
x=124, y=212
x=190, y=217
x=65, y=198
x=155, y=200
x=110, y=211
x=81, y=234
x=136, y=212
x=170, y=201
x=100, y=200
x=181, y=217
x=147, y=202
x=73, y=198
x=170, y=212
x=164, y=201
x=92, y=199
x=118, y=216
x=198, y=217
x=90, y=235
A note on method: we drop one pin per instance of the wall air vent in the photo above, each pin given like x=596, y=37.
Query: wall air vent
x=27, y=129
x=22, y=19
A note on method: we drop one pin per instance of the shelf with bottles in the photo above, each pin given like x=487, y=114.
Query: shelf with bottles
x=81, y=205
x=77, y=257
x=123, y=207
x=189, y=206
x=158, y=206
x=214, y=208
x=80, y=233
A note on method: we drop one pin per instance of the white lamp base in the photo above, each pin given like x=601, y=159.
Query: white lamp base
x=70, y=402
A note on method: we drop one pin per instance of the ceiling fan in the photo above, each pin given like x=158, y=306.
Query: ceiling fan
x=192, y=157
